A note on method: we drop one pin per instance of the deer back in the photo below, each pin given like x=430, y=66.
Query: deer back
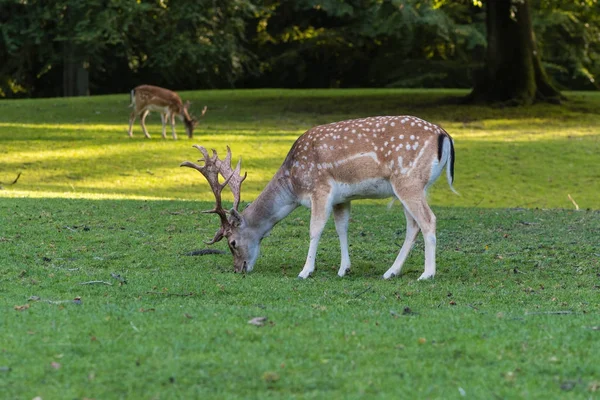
x=365, y=152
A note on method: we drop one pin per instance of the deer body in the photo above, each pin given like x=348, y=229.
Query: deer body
x=168, y=104
x=331, y=165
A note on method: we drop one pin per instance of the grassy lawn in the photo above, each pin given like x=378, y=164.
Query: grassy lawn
x=514, y=311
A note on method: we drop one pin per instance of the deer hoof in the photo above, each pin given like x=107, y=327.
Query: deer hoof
x=389, y=275
x=425, y=276
x=304, y=275
x=343, y=272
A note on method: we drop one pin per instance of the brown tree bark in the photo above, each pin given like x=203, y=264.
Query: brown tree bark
x=513, y=72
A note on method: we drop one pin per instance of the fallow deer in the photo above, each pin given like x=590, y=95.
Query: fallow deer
x=146, y=98
x=326, y=168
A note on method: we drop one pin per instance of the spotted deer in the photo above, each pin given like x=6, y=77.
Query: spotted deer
x=146, y=98
x=328, y=167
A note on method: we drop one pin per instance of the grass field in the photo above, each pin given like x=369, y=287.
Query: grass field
x=530, y=157
x=514, y=311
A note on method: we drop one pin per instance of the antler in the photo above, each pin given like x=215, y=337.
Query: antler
x=211, y=169
x=233, y=176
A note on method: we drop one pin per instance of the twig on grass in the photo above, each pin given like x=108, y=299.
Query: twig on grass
x=118, y=277
x=96, y=282
x=76, y=300
x=363, y=292
x=13, y=182
x=172, y=294
x=16, y=179
x=563, y=312
x=573, y=201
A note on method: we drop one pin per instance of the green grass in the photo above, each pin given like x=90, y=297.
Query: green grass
x=510, y=157
x=485, y=324
x=513, y=312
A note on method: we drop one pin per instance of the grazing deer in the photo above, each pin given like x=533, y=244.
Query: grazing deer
x=326, y=168
x=146, y=98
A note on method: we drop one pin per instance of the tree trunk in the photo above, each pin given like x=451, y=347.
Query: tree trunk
x=513, y=72
x=75, y=76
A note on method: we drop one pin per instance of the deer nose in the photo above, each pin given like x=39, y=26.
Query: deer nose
x=242, y=269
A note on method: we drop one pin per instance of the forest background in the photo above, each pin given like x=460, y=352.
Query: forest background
x=80, y=47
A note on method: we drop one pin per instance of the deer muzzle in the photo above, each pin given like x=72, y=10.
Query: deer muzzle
x=242, y=268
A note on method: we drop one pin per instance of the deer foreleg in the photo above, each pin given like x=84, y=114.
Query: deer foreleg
x=143, y=123
x=320, y=210
x=412, y=229
x=341, y=216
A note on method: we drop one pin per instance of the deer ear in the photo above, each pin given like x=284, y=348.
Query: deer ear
x=235, y=218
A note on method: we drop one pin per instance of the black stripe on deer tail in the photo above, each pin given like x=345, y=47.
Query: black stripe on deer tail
x=441, y=138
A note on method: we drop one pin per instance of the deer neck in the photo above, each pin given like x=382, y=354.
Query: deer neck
x=275, y=203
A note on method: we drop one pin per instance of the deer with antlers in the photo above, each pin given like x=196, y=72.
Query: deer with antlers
x=146, y=98
x=328, y=167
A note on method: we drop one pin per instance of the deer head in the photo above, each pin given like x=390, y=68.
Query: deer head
x=242, y=244
x=189, y=121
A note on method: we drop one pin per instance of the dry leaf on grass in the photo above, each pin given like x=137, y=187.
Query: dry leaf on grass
x=258, y=321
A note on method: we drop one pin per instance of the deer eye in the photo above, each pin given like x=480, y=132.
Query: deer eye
x=232, y=244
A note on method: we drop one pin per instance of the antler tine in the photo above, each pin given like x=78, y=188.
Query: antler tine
x=218, y=236
x=232, y=176
x=210, y=170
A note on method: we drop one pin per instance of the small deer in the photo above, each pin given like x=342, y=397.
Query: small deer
x=146, y=98
x=328, y=167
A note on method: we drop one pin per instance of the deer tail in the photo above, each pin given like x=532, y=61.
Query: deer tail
x=446, y=156
x=132, y=98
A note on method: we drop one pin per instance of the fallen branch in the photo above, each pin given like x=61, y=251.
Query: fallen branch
x=96, y=282
x=204, y=252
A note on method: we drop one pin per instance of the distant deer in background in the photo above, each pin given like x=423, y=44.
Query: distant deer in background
x=146, y=98
x=326, y=168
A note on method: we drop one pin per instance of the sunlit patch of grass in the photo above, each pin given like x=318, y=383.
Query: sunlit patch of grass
x=511, y=157
x=64, y=127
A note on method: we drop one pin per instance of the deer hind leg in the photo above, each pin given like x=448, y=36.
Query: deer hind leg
x=131, y=121
x=341, y=216
x=163, y=120
x=143, y=123
x=173, y=125
x=420, y=211
x=412, y=230
x=320, y=210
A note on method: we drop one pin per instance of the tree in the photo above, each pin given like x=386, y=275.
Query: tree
x=73, y=47
x=51, y=47
x=366, y=43
x=513, y=72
